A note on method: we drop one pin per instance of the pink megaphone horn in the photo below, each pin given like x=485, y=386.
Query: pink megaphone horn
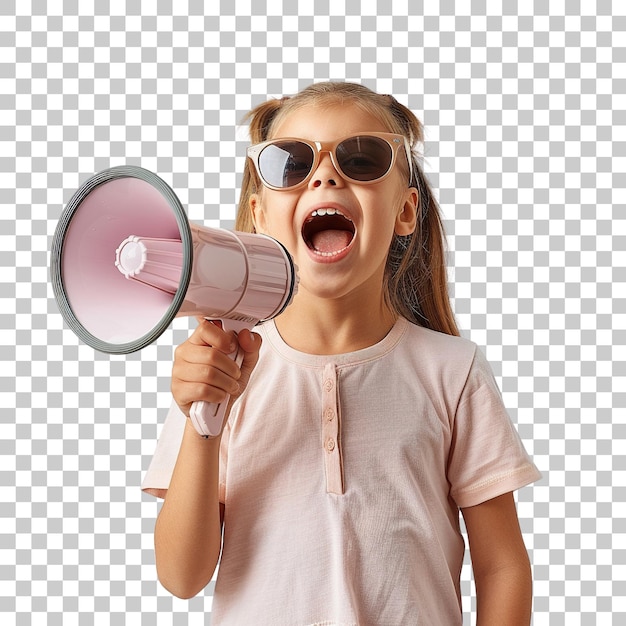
x=125, y=261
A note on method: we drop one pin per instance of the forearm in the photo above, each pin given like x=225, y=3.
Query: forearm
x=500, y=563
x=505, y=596
x=188, y=529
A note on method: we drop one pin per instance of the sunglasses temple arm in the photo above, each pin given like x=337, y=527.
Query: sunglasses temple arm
x=409, y=157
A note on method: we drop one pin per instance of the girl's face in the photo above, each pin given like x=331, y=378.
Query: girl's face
x=338, y=231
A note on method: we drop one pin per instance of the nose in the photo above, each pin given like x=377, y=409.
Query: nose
x=325, y=173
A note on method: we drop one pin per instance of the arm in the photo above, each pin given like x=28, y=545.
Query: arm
x=500, y=563
x=188, y=531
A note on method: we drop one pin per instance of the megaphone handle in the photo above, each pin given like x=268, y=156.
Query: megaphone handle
x=208, y=417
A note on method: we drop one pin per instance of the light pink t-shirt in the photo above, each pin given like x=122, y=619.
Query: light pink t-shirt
x=342, y=478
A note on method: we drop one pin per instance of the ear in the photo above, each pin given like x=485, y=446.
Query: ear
x=406, y=220
x=258, y=214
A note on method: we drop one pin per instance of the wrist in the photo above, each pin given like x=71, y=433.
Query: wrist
x=191, y=431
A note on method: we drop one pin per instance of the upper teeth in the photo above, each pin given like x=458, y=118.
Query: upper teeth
x=328, y=211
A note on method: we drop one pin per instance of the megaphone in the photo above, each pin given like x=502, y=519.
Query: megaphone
x=125, y=261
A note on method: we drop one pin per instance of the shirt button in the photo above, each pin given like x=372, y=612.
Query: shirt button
x=330, y=445
x=328, y=384
x=330, y=415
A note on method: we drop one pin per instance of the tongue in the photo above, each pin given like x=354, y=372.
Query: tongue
x=331, y=240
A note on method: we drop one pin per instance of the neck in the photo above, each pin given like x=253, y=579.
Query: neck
x=333, y=327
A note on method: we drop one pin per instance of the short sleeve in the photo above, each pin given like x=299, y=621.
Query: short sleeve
x=487, y=457
x=157, y=479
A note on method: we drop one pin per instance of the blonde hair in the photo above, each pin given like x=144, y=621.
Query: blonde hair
x=416, y=283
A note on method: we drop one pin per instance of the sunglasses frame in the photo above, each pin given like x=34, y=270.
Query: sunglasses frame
x=394, y=140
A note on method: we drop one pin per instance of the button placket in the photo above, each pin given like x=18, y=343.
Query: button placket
x=331, y=433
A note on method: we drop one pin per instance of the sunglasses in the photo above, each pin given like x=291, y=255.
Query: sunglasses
x=289, y=163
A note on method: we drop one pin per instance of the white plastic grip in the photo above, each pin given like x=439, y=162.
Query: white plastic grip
x=208, y=417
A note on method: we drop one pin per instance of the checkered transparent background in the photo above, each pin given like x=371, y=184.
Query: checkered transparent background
x=525, y=110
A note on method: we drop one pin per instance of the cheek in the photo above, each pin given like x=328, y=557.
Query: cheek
x=274, y=213
x=274, y=223
x=387, y=207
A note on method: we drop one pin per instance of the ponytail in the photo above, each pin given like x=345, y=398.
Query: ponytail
x=260, y=119
x=416, y=281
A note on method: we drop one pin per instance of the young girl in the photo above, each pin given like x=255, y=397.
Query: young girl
x=359, y=422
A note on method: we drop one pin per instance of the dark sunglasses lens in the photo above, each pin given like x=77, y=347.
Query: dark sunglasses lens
x=364, y=158
x=285, y=163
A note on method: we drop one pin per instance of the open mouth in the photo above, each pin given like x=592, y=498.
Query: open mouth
x=328, y=232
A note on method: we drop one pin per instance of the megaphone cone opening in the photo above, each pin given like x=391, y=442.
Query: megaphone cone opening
x=106, y=310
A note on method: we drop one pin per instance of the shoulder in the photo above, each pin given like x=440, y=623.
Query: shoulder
x=438, y=347
x=441, y=363
x=436, y=338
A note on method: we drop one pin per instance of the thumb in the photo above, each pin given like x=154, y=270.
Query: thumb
x=250, y=343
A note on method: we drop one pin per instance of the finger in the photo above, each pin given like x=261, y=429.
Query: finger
x=249, y=341
x=190, y=355
x=186, y=395
x=251, y=344
x=200, y=373
x=210, y=334
x=196, y=382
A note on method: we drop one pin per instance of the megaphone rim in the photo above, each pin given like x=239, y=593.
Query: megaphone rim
x=293, y=280
x=116, y=173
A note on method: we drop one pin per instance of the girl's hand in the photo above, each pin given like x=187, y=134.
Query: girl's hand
x=202, y=369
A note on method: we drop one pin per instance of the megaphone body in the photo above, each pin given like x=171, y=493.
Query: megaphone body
x=125, y=261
